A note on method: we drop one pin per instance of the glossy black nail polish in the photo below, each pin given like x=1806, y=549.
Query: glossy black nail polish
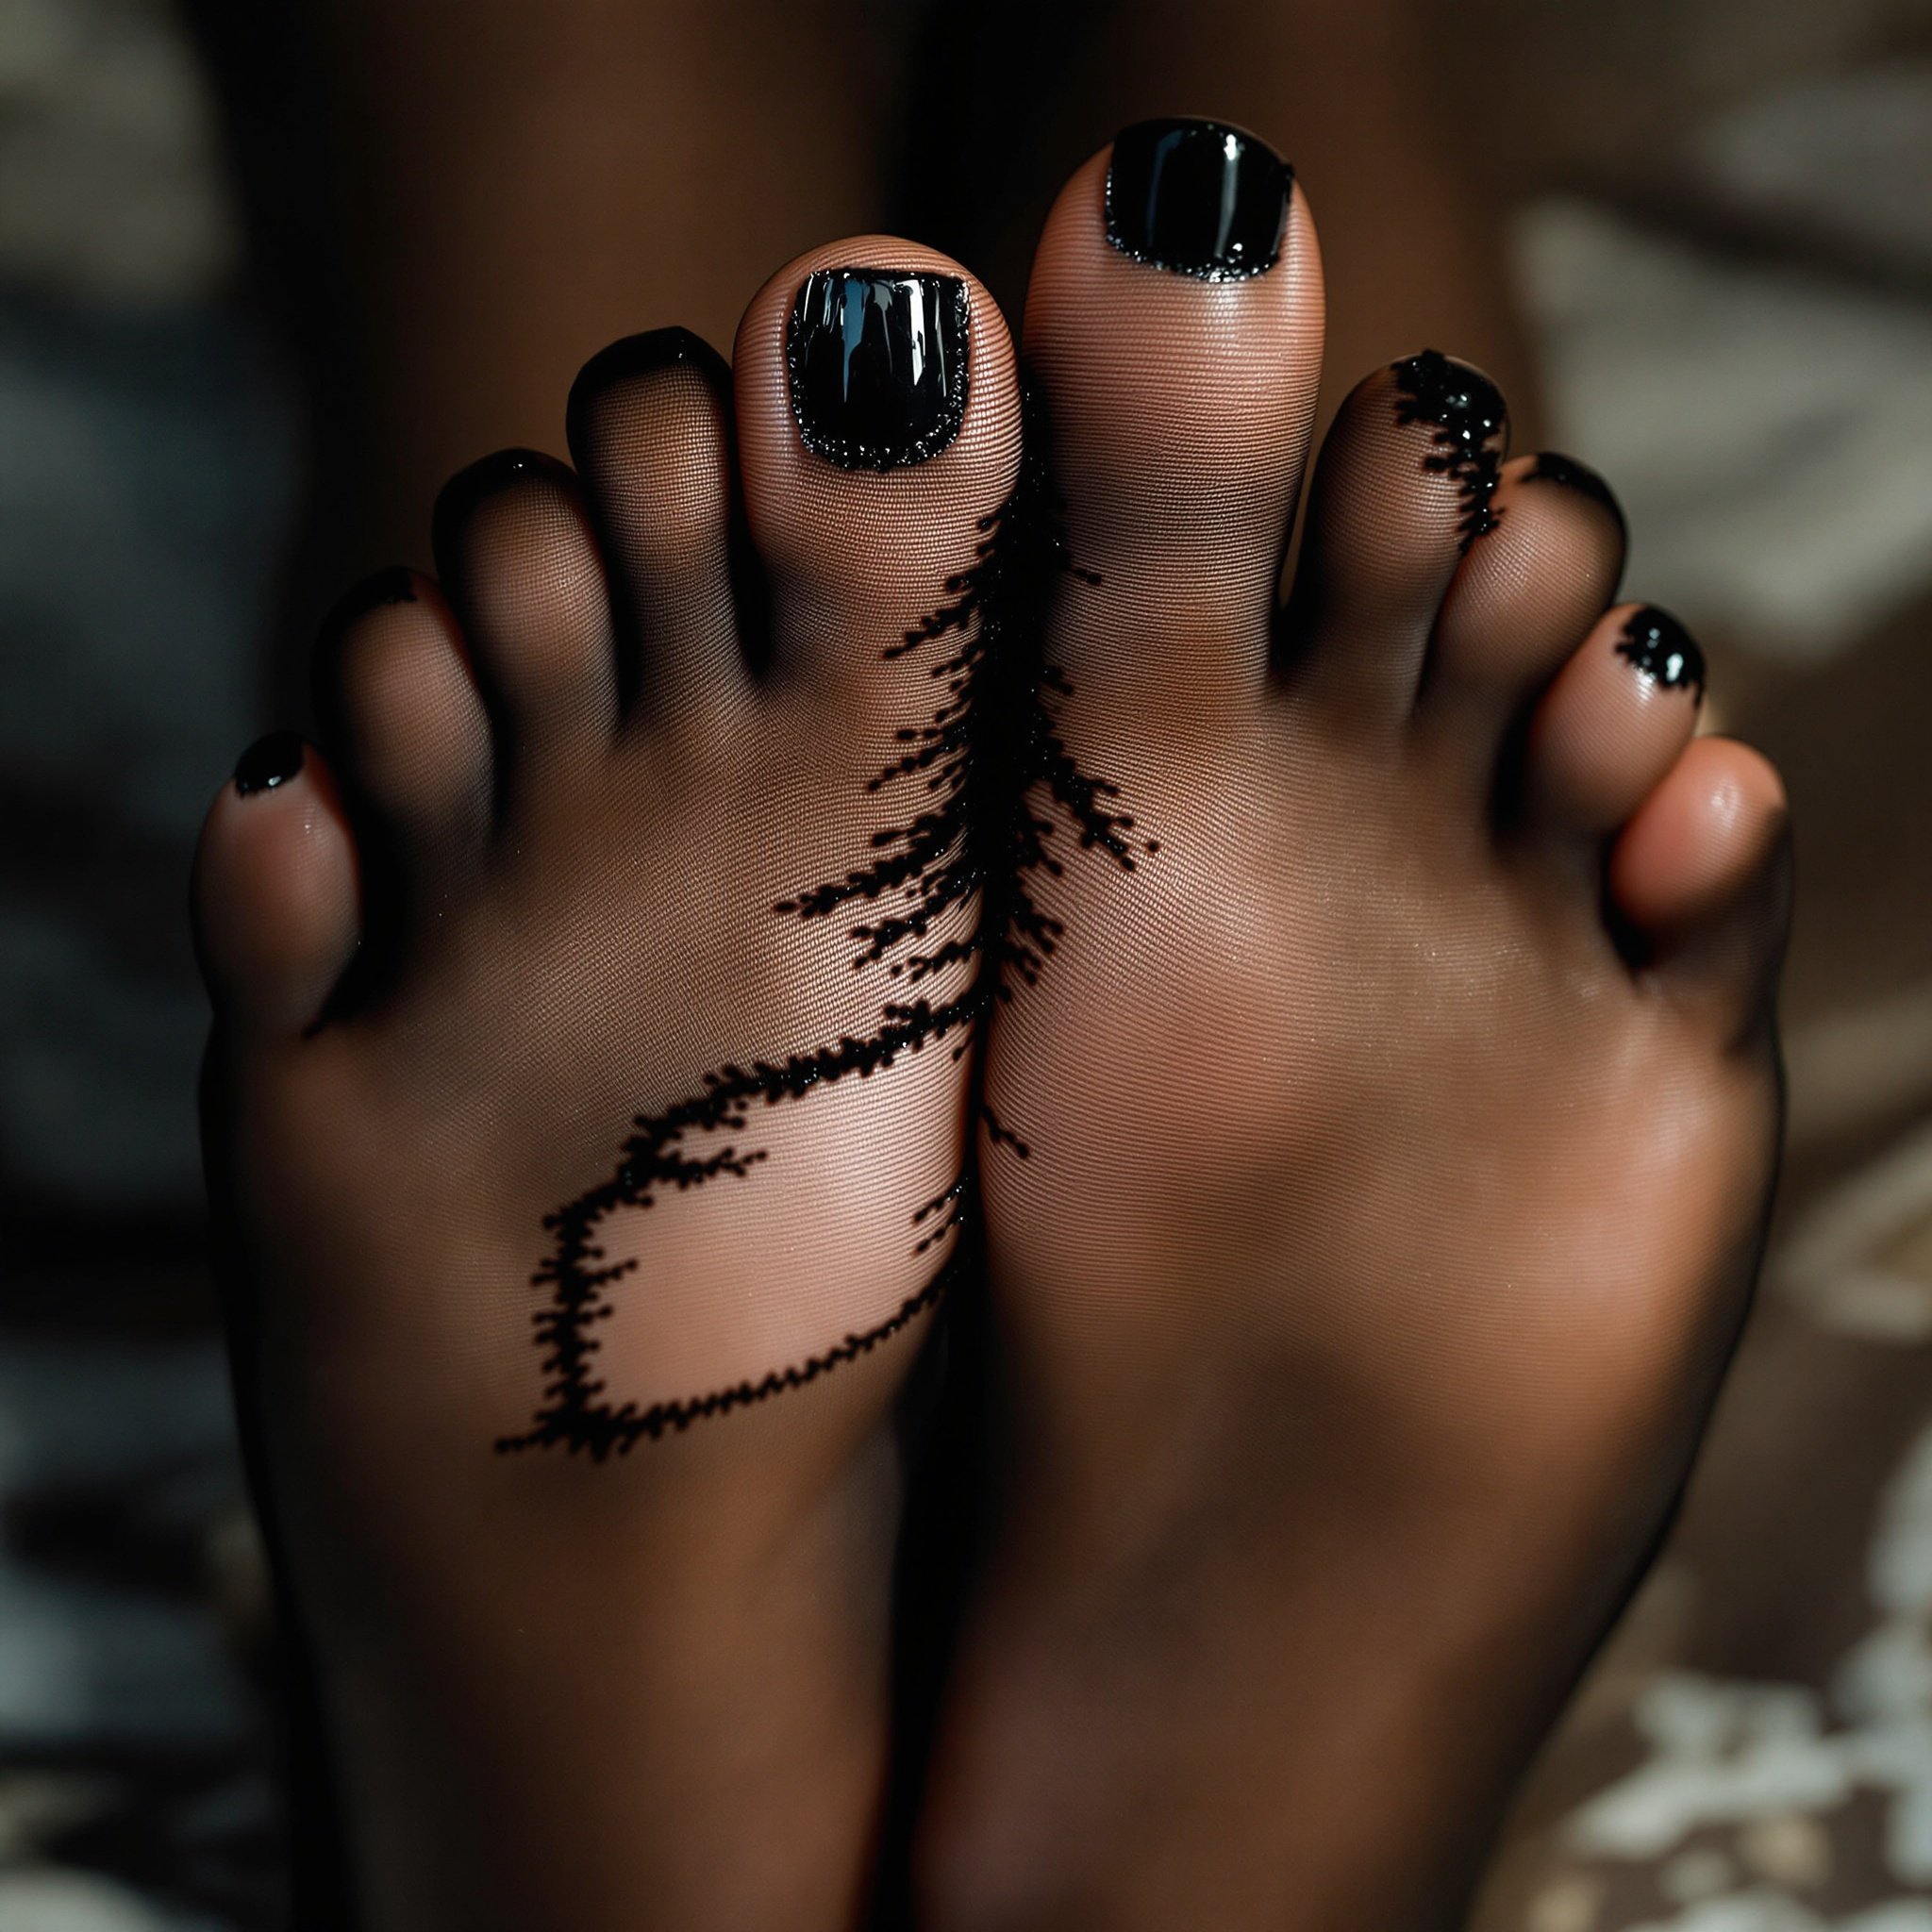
x=1568, y=474
x=1466, y=415
x=878, y=365
x=1662, y=650
x=632, y=358
x=268, y=762
x=394, y=586
x=1197, y=198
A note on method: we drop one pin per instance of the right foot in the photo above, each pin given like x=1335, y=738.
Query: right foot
x=1399, y=1099
x=585, y=1176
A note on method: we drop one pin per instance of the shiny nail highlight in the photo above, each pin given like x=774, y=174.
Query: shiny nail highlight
x=1198, y=199
x=268, y=762
x=1663, y=651
x=877, y=360
x=1467, y=418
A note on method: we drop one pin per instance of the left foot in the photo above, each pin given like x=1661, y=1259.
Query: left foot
x=587, y=1174
x=1400, y=1098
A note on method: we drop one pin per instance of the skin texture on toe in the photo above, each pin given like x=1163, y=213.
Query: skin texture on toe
x=1385, y=1217
x=1186, y=566
x=1702, y=874
x=276, y=890
x=588, y=1107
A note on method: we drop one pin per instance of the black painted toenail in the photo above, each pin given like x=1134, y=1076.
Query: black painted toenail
x=877, y=359
x=1466, y=411
x=1571, y=474
x=468, y=488
x=635, y=358
x=645, y=354
x=268, y=762
x=394, y=586
x=1663, y=651
x=1198, y=197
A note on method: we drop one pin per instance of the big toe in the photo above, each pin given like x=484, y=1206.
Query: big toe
x=1174, y=323
x=878, y=437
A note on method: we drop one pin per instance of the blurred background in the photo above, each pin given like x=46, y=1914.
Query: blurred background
x=266, y=274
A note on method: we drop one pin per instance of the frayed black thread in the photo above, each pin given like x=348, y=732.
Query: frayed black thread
x=996, y=781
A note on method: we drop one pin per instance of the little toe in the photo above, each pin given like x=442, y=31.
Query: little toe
x=879, y=438
x=1174, y=323
x=1701, y=878
x=1403, y=492
x=521, y=569
x=1523, y=601
x=1615, y=721
x=275, y=901
x=405, y=722
x=650, y=432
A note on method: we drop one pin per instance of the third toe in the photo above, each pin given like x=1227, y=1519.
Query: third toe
x=1521, y=603
x=522, y=570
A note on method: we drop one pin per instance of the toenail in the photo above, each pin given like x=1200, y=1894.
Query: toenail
x=386, y=587
x=645, y=354
x=1663, y=651
x=506, y=469
x=877, y=359
x=1465, y=412
x=268, y=762
x=1571, y=474
x=1197, y=198
x=633, y=357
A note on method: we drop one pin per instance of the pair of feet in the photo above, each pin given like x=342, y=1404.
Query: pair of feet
x=778, y=860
